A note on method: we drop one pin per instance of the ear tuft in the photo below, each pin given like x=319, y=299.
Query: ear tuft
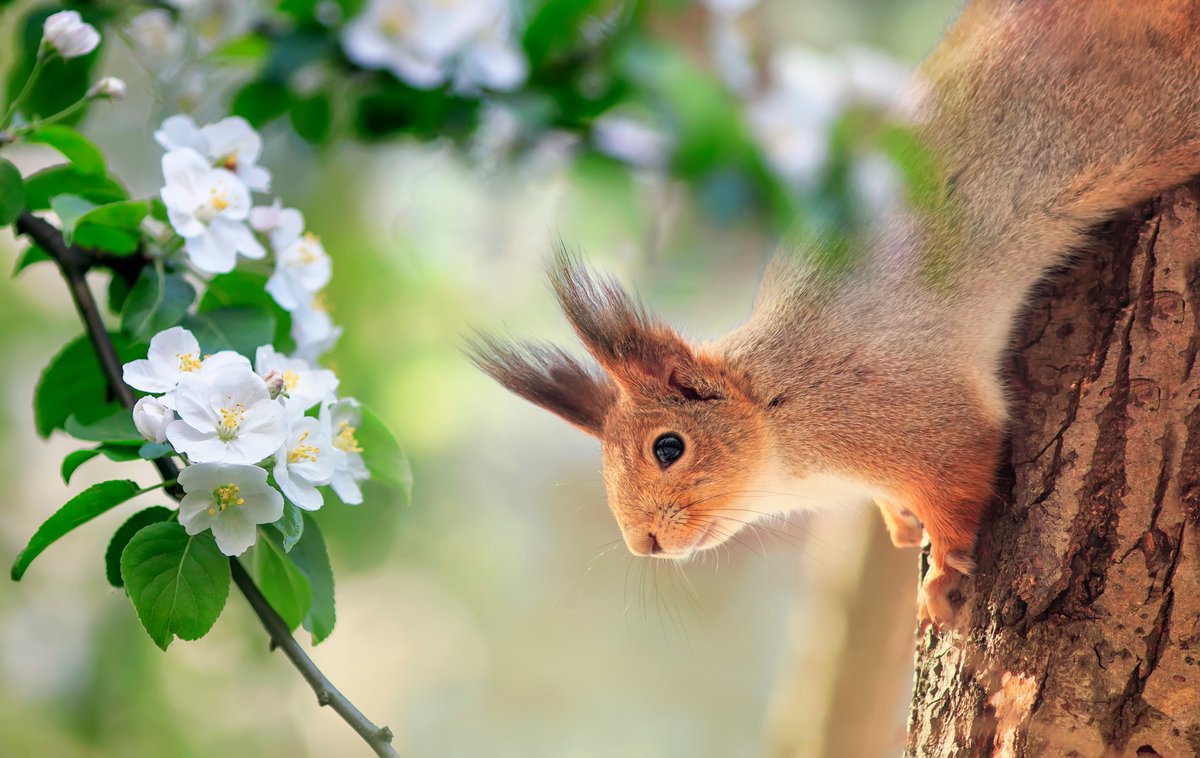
x=548, y=376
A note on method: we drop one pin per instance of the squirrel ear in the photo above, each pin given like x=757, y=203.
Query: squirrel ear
x=637, y=351
x=547, y=376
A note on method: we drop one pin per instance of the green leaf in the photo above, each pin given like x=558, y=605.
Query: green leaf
x=113, y=452
x=152, y=450
x=115, y=227
x=261, y=101
x=76, y=148
x=383, y=456
x=115, y=427
x=156, y=302
x=312, y=117
x=12, y=193
x=33, y=254
x=66, y=179
x=178, y=583
x=124, y=533
x=244, y=289
x=290, y=525
x=70, y=208
x=249, y=48
x=281, y=582
x=73, y=385
x=79, y=510
x=311, y=557
x=240, y=329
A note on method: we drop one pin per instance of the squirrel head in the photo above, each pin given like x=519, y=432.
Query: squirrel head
x=681, y=433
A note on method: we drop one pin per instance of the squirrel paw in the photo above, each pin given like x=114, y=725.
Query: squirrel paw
x=940, y=598
x=906, y=529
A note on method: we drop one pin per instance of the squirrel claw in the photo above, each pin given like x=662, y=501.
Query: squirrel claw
x=939, y=597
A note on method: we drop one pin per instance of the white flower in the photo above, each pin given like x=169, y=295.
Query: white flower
x=230, y=143
x=154, y=32
x=69, y=34
x=282, y=224
x=313, y=330
x=305, y=461
x=152, y=418
x=340, y=422
x=208, y=207
x=302, y=269
x=230, y=500
x=630, y=140
x=230, y=420
x=304, y=385
x=110, y=87
x=174, y=354
x=426, y=42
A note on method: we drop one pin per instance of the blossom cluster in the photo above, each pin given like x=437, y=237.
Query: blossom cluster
x=426, y=43
x=210, y=174
x=234, y=423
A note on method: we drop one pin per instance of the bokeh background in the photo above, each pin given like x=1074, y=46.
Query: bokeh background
x=498, y=614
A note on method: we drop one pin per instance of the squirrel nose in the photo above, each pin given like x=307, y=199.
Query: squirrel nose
x=655, y=548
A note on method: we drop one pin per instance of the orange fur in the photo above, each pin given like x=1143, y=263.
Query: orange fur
x=1045, y=116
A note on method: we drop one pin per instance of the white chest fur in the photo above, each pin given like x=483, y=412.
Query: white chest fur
x=776, y=491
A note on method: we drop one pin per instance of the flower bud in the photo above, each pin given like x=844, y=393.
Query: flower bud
x=109, y=88
x=68, y=34
x=275, y=383
x=152, y=418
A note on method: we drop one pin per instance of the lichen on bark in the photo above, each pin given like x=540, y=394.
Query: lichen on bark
x=1080, y=635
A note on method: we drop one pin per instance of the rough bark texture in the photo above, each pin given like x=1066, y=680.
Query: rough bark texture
x=1081, y=634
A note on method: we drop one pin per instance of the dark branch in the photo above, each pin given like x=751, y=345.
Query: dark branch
x=74, y=262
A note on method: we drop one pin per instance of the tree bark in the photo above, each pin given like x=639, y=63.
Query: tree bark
x=1080, y=636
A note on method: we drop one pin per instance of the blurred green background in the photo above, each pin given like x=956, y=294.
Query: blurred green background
x=499, y=614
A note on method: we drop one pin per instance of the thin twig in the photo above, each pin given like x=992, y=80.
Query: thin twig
x=74, y=263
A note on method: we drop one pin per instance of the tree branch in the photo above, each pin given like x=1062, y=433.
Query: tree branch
x=74, y=263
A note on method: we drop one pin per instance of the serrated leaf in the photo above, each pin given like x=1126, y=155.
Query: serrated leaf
x=12, y=193
x=33, y=254
x=311, y=557
x=156, y=302
x=178, y=583
x=117, y=426
x=152, y=450
x=79, y=510
x=115, y=227
x=260, y=101
x=69, y=209
x=134, y=524
x=239, y=329
x=242, y=289
x=249, y=48
x=72, y=385
x=281, y=582
x=290, y=525
x=114, y=452
x=66, y=179
x=76, y=148
x=382, y=454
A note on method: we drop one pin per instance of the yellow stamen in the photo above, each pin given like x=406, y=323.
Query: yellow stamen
x=345, y=439
x=303, y=452
x=320, y=302
x=227, y=496
x=290, y=380
x=231, y=419
x=187, y=361
x=230, y=161
x=219, y=200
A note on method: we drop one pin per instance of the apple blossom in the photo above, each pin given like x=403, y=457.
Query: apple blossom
x=631, y=140
x=302, y=269
x=230, y=420
x=208, y=207
x=69, y=35
x=110, y=88
x=304, y=462
x=152, y=418
x=313, y=329
x=426, y=42
x=230, y=143
x=283, y=225
x=230, y=500
x=173, y=354
x=340, y=422
x=304, y=385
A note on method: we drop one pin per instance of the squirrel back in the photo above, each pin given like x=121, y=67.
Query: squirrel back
x=882, y=382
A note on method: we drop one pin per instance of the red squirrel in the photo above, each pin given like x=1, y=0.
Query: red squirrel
x=884, y=383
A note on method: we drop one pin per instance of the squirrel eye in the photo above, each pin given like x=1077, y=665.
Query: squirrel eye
x=668, y=448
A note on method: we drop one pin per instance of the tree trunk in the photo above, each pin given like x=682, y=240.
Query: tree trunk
x=1081, y=634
